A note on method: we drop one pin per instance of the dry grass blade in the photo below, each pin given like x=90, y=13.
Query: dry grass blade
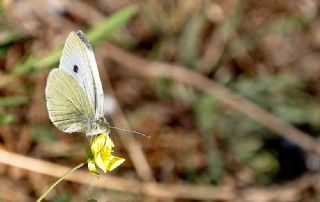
x=133, y=148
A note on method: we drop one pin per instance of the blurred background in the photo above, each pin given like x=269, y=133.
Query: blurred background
x=229, y=92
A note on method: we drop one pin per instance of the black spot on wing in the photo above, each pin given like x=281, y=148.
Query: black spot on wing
x=75, y=68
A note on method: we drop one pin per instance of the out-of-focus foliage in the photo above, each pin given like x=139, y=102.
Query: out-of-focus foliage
x=264, y=51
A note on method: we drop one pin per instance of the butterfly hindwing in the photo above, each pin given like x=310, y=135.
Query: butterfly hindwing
x=68, y=105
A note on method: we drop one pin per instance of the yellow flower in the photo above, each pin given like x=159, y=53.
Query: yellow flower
x=99, y=154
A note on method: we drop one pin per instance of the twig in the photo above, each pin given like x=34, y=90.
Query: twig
x=117, y=183
x=225, y=95
x=289, y=192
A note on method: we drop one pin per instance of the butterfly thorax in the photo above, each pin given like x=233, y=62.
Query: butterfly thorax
x=97, y=127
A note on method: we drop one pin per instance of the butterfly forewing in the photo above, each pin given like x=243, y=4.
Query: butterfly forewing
x=68, y=105
x=78, y=61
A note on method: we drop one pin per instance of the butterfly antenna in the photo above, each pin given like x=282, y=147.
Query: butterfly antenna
x=131, y=131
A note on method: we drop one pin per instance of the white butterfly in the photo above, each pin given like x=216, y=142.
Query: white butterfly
x=74, y=91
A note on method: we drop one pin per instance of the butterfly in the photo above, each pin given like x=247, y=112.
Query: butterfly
x=74, y=94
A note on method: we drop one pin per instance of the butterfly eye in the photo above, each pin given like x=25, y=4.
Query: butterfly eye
x=75, y=68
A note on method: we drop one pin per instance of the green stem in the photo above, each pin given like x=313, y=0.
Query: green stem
x=59, y=180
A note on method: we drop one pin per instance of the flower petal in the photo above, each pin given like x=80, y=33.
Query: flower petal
x=91, y=164
x=101, y=149
x=112, y=162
